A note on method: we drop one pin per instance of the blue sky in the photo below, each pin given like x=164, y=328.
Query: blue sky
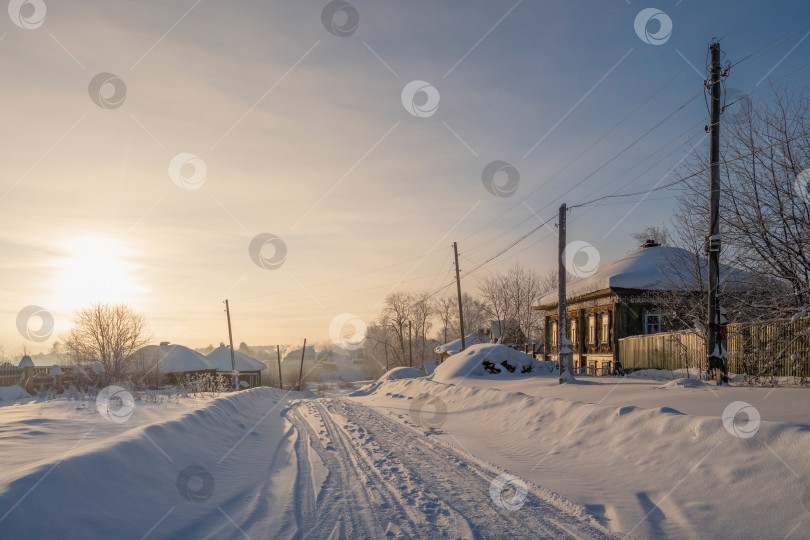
x=304, y=136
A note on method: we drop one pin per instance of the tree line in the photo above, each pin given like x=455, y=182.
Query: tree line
x=411, y=324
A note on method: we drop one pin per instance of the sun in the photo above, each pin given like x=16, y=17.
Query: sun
x=96, y=269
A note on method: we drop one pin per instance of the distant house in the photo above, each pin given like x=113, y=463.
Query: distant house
x=291, y=365
x=250, y=369
x=620, y=299
x=174, y=362
x=507, y=332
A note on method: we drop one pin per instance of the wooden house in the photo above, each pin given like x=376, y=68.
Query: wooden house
x=250, y=369
x=170, y=363
x=621, y=299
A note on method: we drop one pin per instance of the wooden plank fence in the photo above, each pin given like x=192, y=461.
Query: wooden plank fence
x=780, y=350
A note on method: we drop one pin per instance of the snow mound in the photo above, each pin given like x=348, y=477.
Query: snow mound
x=485, y=360
x=125, y=481
x=651, y=374
x=430, y=367
x=13, y=393
x=402, y=373
x=683, y=383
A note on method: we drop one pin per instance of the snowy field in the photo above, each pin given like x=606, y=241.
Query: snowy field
x=464, y=453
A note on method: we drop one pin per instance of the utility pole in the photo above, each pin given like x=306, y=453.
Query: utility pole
x=460, y=310
x=410, y=345
x=278, y=357
x=301, y=369
x=230, y=338
x=565, y=358
x=717, y=356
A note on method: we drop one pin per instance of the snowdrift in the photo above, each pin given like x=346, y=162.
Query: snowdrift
x=622, y=461
x=182, y=470
x=13, y=393
x=487, y=360
x=402, y=373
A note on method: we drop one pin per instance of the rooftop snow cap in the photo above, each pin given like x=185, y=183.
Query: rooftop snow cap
x=656, y=268
x=173, y=358
x=649, y=243
x=221, y=356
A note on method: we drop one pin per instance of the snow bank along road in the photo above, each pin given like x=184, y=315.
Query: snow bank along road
x=267, y=464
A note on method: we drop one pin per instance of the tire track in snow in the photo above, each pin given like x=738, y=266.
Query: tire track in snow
x=388, y=480
x=464, y=484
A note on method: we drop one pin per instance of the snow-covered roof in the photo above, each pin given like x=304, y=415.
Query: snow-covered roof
x=26, y=361
x=221, y=357
x=658, y=268
x=174, y=358
x=454, y=346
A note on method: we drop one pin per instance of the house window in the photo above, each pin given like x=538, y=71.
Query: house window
x=605, y=327
x=592, y=330
x=652, y=323
x=573, y=331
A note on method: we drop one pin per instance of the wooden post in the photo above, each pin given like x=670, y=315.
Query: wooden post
x=460, y=310
x=410, y=345
x=565, y=353
x=278, y=357
x=717, y=357
x=230, y=338
x=301, y=369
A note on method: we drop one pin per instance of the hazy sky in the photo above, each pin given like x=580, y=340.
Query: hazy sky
x=306, y=135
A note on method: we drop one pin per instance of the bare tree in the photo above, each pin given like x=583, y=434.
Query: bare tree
x=447, y=311
x=499, y=299
x=475, y=314
x=107, y=334
x=422, y=311
x=396, y=313
x=379, y=348
x=765, y=215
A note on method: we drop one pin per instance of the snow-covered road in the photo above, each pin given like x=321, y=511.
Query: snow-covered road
x=386, y=479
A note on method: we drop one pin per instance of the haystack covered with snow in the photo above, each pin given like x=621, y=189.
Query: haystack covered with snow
x=173, y=359
x=484, y=360
x=221, y=358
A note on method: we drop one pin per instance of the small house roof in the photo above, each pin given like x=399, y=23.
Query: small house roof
x=174, y=358
x=453, y=347
x=656, y=268
x=221, y=357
